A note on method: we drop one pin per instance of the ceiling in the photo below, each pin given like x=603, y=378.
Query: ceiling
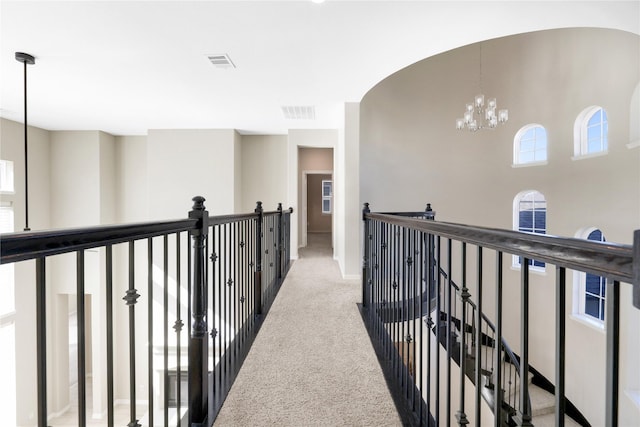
x=126, y=67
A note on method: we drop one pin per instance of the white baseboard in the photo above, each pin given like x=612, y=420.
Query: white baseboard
x=58, y=413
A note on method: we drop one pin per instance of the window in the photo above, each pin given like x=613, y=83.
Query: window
x=6, y=176
x=591, y=131
x=327, y=194
x=530, y=216
x=530, y=145
x=591, y=288
x=7, y=326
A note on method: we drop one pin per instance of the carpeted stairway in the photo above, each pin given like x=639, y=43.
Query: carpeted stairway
x=312, y=364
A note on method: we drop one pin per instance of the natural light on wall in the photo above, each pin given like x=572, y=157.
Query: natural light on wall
x=7, y=307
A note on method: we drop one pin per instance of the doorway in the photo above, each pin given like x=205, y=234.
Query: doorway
x=316, y=196
x=318, y=208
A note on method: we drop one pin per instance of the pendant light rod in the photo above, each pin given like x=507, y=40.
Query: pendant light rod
x=25, y=58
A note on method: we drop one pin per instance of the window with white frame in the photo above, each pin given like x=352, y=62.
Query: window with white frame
x=530, y=145
x=530, y=216
x=591, y=131
x=589, y=300
x=327, y=195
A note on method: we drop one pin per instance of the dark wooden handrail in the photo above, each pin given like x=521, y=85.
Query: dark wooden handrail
x=612, y=260
x=35, y=244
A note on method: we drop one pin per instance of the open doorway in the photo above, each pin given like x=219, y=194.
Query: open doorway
x=319, y=208
x=316, y=196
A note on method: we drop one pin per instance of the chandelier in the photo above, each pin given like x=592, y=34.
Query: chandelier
x=479, y=115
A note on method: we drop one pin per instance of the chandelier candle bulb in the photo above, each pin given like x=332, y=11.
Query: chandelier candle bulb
x=503, y=115
x=479, y=101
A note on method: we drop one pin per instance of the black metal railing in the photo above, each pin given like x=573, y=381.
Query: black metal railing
x=225, y=284
x=421, y=321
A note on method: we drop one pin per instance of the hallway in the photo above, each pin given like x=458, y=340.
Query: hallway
x=312, y=363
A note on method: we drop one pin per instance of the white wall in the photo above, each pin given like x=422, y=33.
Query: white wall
x=411, y=153
x=351, y=213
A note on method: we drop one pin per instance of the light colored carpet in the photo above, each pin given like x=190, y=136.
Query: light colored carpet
x=312, y=363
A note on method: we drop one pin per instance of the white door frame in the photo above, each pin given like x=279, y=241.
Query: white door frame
x=303, y=238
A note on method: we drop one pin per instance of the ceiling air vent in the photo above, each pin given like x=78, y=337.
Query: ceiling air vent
x=221, y=61
x=299, y=112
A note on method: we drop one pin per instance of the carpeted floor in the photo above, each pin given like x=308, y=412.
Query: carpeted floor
x=312, y=363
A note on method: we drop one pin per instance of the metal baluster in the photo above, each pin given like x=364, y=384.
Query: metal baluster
x=178, y=328
x=420, y=356
x=464, y=296
x=82, y=374
x=497, y=390
x=150, y=328
x=109, y=314
x=131, y=299
x=166, y=329
x=428, y=321
x=478, y=325
x=227, y=306
x=613, y=351
x=414, y=298
x=403, y=335
x=221, y=310
x=561, y=300
x=449, y=333
x=41, y=339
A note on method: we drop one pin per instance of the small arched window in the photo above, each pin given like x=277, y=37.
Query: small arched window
x=530, y=216
x=591, y=131
x=530, y=145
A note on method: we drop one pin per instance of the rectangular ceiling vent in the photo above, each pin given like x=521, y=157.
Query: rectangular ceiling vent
x=221, y=61
x=299, y=112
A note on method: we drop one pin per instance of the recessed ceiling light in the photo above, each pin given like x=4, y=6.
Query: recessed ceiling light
x=318, y=1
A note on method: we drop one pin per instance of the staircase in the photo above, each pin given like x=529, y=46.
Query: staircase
x=542, y=401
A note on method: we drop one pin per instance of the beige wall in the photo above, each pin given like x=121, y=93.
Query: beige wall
x=12, y=148
x=411, y=153
x=264, y=171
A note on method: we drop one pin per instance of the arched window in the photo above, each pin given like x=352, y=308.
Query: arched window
x=591, y=131
x=530, y=216
x=530, y=145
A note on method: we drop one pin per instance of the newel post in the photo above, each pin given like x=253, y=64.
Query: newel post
x=198, y=346
x=258, y=274
x=365, y=258
x=279, y=256
x=429, y=213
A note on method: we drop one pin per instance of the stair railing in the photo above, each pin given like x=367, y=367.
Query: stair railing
x=403, y=255
x=509, y=375
x=218, y=274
